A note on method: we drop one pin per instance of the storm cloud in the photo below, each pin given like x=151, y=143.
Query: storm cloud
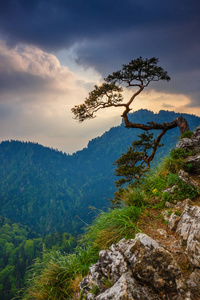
x=37, y=81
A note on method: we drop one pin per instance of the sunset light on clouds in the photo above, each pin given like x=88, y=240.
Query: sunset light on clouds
x=52, y=53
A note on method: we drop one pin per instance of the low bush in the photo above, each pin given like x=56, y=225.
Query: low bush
x=187, y=134
x=180, y=153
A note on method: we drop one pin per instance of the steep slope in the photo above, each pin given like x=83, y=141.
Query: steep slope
x=147, y=248
x=162, y=262
x=50, y=191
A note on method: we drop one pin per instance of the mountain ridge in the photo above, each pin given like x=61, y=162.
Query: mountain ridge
x=51, y=191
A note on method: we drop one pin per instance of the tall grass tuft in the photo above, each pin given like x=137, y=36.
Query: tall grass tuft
x=187, y=134
x=154, y=181
x=112, y=226
x=172, y=165
x=134, y=196
x=57, y=276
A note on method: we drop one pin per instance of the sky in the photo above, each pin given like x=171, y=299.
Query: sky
x=52, y=53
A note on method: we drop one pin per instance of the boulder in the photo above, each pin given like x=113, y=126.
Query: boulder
x=127, y=288
x=184, y=176
x=138, y=269
x=192, y=143
x=188, y=229
x=194, y=162
x=193, y=283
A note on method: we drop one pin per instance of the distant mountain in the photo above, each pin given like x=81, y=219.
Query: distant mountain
x=50, y=191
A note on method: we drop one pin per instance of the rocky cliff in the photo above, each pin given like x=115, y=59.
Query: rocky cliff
x=161, y=262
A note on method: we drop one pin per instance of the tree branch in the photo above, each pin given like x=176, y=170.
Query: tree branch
x=178, y=122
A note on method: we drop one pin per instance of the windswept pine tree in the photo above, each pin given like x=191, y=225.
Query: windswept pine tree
x=137, y=75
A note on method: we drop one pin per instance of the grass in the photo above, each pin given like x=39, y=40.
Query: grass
x=112, y=226
x=187, y=134
x=57, y=277
x=133, y=196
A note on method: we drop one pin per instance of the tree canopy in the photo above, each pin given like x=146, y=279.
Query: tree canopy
x=138, y=74
x=135, y=161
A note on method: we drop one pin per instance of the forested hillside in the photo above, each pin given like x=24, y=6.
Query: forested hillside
x=126, y=252
x=19, y=247
x=50, y=191
x=47, y=195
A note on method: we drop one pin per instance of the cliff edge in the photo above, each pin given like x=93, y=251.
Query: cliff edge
x=161, y=262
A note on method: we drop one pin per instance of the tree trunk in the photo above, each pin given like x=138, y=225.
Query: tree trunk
x=178, y=122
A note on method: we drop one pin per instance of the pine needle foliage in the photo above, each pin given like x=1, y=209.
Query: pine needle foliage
x=136, y=161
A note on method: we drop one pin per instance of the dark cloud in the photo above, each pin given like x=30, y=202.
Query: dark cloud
x=53, y=24
x=108, y=33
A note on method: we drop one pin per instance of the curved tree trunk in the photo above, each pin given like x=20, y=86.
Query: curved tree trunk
x=178, y=122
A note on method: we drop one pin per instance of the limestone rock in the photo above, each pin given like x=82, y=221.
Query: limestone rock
x=184, y=176
x=168, y=204
x=154, y=265
x=173, y=221
x=193, y=283
x=162, y=232
x=193, y=143
x=165, y=214
x=182, y=204
x=170, y=190
x=185, y=143
x=189, y=230
x=111, y=265
x=127, y=288
x=195, y=162
x=130, y=265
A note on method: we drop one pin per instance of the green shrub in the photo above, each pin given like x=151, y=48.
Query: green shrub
x=187, y=134
x=180, y=153
x=189, y=167
x=184, y=191
x=167, y=197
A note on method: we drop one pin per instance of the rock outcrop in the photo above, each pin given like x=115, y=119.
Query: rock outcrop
x=192, y=143
x=187, y=228
x=147, y=268
x=139, y=268
x=142, y=268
